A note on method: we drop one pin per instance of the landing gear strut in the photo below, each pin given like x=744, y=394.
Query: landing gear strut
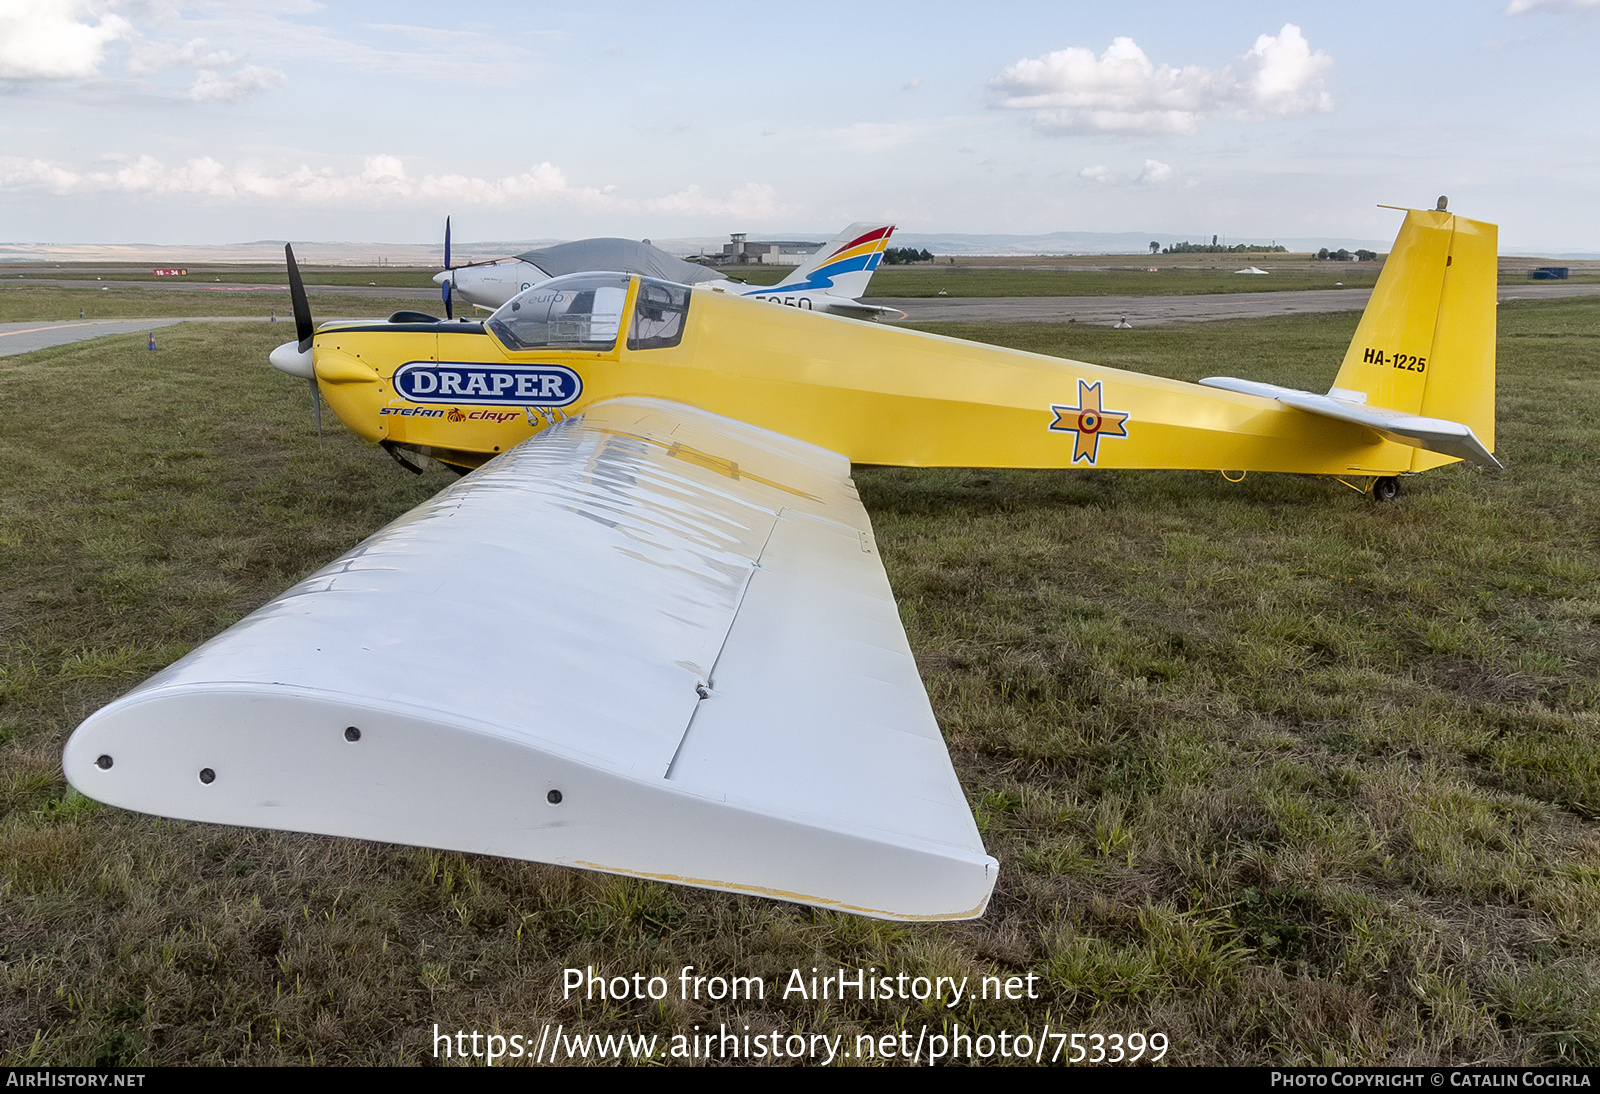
x=1385, y=489
x=394, y=452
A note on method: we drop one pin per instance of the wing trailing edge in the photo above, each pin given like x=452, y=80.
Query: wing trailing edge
x=650, y=641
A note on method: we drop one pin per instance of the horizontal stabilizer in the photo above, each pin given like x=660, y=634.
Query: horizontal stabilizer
x=1433, y=434
x=855, y=309
x=649, y=640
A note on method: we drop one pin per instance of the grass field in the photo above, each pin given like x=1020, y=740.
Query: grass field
x=1167, y=281
x=1281, y=774
x=1080, y=275
x=889, y=281
x=989, y=281
x=19, y=302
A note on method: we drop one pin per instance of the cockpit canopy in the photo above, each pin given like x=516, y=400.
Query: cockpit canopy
x=584, y=311
x=659, y=313
x=579, y=311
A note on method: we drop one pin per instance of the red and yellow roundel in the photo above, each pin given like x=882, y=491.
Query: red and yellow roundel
x=1089, y=421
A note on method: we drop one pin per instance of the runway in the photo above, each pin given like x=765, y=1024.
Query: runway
x=18, y=338
x=25, y=337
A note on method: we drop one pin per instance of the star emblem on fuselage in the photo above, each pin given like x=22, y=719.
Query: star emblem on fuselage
x=1090, y=421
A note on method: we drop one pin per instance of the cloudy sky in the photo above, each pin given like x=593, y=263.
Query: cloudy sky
x=169, y=122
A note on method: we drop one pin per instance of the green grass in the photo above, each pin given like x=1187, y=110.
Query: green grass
x=991, y=281
x=20, y=302
x=891, y=281
x=1216, y=276
x=1287, y=776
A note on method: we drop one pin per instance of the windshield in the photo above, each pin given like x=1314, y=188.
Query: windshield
x=580, y=311
x=658, y=315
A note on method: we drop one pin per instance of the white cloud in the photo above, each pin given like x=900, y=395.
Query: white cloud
x=752, y=201
x=146, y=57
x=1522, y=7
x=210, y=87
x=1122, y=91
x=21, y=174
x=1154, y=173
x=1073, y=90
x=53, y=39
x=48, y=39
x=1287, y=76
x=381, y=182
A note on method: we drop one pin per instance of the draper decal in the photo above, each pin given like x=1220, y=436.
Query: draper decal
x=487, y=385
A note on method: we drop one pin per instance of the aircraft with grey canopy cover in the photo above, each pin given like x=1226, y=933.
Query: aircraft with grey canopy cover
x=832, y=280
x=584, y=255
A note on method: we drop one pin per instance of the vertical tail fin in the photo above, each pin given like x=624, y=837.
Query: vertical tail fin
x=1426, y=342
x=845, y=264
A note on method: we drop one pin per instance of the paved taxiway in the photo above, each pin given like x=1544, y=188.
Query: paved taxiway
x=1150, y=310
x=18, y=338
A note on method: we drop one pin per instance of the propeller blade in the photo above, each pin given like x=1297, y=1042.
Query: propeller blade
x=444, y=286
x=316, y=405
x=304, y=328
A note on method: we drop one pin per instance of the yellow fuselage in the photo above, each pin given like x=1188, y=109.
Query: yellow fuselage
x=877, y=394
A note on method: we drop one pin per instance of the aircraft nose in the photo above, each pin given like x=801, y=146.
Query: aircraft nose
x=290, y=358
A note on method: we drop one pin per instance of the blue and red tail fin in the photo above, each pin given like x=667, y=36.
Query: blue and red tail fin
x=844, y=265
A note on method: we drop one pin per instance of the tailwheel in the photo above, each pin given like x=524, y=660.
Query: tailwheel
x=1386, y=488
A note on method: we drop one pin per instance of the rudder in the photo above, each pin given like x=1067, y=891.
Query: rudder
x=844, y=265
x=1426, y=342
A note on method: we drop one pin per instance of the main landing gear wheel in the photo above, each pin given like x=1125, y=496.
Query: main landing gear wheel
x=1385, y=489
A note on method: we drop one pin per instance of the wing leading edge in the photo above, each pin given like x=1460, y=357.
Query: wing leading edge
x=650, y=641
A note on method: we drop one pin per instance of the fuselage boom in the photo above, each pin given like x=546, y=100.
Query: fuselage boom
x=880, y=395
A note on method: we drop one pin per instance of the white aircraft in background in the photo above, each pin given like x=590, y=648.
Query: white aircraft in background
x=832, y=280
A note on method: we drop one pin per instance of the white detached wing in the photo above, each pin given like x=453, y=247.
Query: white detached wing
x=650, y=640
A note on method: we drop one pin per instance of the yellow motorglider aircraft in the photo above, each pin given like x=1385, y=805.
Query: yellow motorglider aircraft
x=651, y=634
